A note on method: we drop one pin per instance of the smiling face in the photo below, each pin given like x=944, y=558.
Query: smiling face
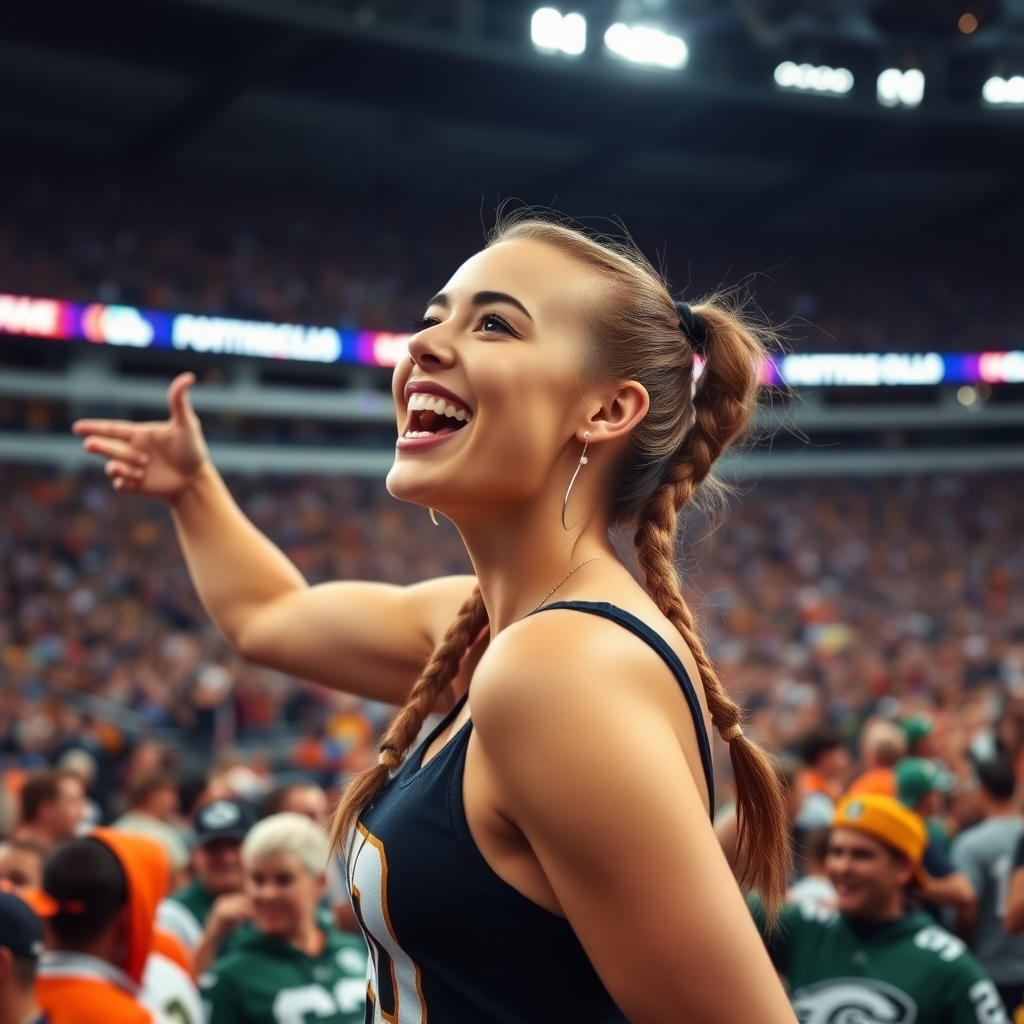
x=284, y=894
x=492, y=393
x=869, y=878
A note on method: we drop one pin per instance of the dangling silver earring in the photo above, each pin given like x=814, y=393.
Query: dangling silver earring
x=582, y=463
x=433, y=517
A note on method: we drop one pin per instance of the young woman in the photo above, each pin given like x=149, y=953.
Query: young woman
x=548, y=855
x=287, y=968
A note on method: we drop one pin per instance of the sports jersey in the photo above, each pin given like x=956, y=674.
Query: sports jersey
x=168, y=984
x=265, y=981
x=984, y=854
x=450, y=941
x=905, y=971
x=184, y=913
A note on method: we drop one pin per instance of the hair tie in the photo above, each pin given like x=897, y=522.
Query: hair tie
x=693, y=326
x=732, y=732
x=389, y=757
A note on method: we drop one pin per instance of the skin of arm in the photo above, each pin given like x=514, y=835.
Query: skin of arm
x=367, y=638
x=581, y=751
x=1013, y=922
x=954, y=890
x=228, y=914
x=364, y=638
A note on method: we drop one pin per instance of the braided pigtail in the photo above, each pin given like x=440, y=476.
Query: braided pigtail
x=638, y=333
x=723, y=405
x=438, y=672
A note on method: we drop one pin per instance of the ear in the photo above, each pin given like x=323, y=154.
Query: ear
x=6, y=963
x=622, y=407
x=904, y=871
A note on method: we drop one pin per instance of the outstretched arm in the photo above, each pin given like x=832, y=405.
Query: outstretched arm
x=365, y=638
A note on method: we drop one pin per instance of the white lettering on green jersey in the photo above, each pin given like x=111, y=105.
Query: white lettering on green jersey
x=853, y=1001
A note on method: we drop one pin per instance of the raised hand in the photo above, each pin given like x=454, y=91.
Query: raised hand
x=158, y=459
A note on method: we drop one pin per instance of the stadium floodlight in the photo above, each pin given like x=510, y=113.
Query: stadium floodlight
x=1003, y=92
x=901, y=88
x=641, y=44
x=808, y=78
x=554, y=32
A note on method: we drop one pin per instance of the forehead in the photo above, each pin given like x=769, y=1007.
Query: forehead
x=275, y=861
x=851, y=839
x=550, y=283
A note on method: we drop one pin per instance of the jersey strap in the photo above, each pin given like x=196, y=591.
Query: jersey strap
x=657, y=643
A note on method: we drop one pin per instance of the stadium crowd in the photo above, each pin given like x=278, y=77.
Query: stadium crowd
x=206, y=245
x=873, y=628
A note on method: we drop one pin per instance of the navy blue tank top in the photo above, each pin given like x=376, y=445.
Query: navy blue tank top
x=450, y=941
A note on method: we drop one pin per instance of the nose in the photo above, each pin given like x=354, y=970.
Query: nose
x=430, y=351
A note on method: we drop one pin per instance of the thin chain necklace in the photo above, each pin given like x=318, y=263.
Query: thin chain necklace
x=561, y=581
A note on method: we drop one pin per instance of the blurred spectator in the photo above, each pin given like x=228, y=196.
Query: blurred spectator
x=82, y=764
x=305, y=798
x=919, y=731
x=873, y=959
x=100, y=912
x=21, y=942
x=289, y=950
x=21, y=864
x=206, y=913
x=152, y=805
x=814, y=893
x=827, y=769
x=52, y=807
x=882, y=744
x=984, y=854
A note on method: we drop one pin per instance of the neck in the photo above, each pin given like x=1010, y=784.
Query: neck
x=890, y=910
x=520, y=554
x=999, y=809
x=22, y=1008
x=309, y=939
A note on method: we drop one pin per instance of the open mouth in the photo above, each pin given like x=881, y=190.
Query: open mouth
x=432, y=415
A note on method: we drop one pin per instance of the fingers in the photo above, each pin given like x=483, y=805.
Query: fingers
x=177, y=397
x=107, y=428
x=124, y=475
x=113, y=449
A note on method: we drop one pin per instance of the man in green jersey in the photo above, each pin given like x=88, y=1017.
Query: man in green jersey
x=291, y=966
x=873, y=959
x=207, y=912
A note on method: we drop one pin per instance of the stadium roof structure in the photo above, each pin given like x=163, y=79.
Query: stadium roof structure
x=440, y=100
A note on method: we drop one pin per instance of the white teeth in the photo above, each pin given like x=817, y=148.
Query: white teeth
x=420, y=401
x=418, y=433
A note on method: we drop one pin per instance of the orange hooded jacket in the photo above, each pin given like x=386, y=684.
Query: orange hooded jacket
x=77, y=989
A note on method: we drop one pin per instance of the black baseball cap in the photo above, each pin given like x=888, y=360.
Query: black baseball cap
x=223, y=819
x=21, y=931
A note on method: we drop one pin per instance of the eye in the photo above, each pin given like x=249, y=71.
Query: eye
x=421, y=323
x=491, y=323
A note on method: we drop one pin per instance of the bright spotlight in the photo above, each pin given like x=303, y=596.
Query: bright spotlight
x=554, y=32
x=1000, y=92
x=900, y=88
x=808, y=78
x=642, y=45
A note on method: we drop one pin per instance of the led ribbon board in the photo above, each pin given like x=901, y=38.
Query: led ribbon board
x=127, y=326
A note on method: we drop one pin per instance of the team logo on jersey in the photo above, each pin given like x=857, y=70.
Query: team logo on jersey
x=853, y=1001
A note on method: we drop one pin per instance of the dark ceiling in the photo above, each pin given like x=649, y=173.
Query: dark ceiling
x=444, y=99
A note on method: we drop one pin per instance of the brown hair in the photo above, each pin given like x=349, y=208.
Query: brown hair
x=636, y=335
x=42, y=787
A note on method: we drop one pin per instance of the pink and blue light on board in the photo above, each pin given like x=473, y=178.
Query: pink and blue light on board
x=128, y=326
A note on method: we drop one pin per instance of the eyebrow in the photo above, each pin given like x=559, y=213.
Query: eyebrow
x=483, y=299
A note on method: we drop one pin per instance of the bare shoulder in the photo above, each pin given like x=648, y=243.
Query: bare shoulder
x=563, y=664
